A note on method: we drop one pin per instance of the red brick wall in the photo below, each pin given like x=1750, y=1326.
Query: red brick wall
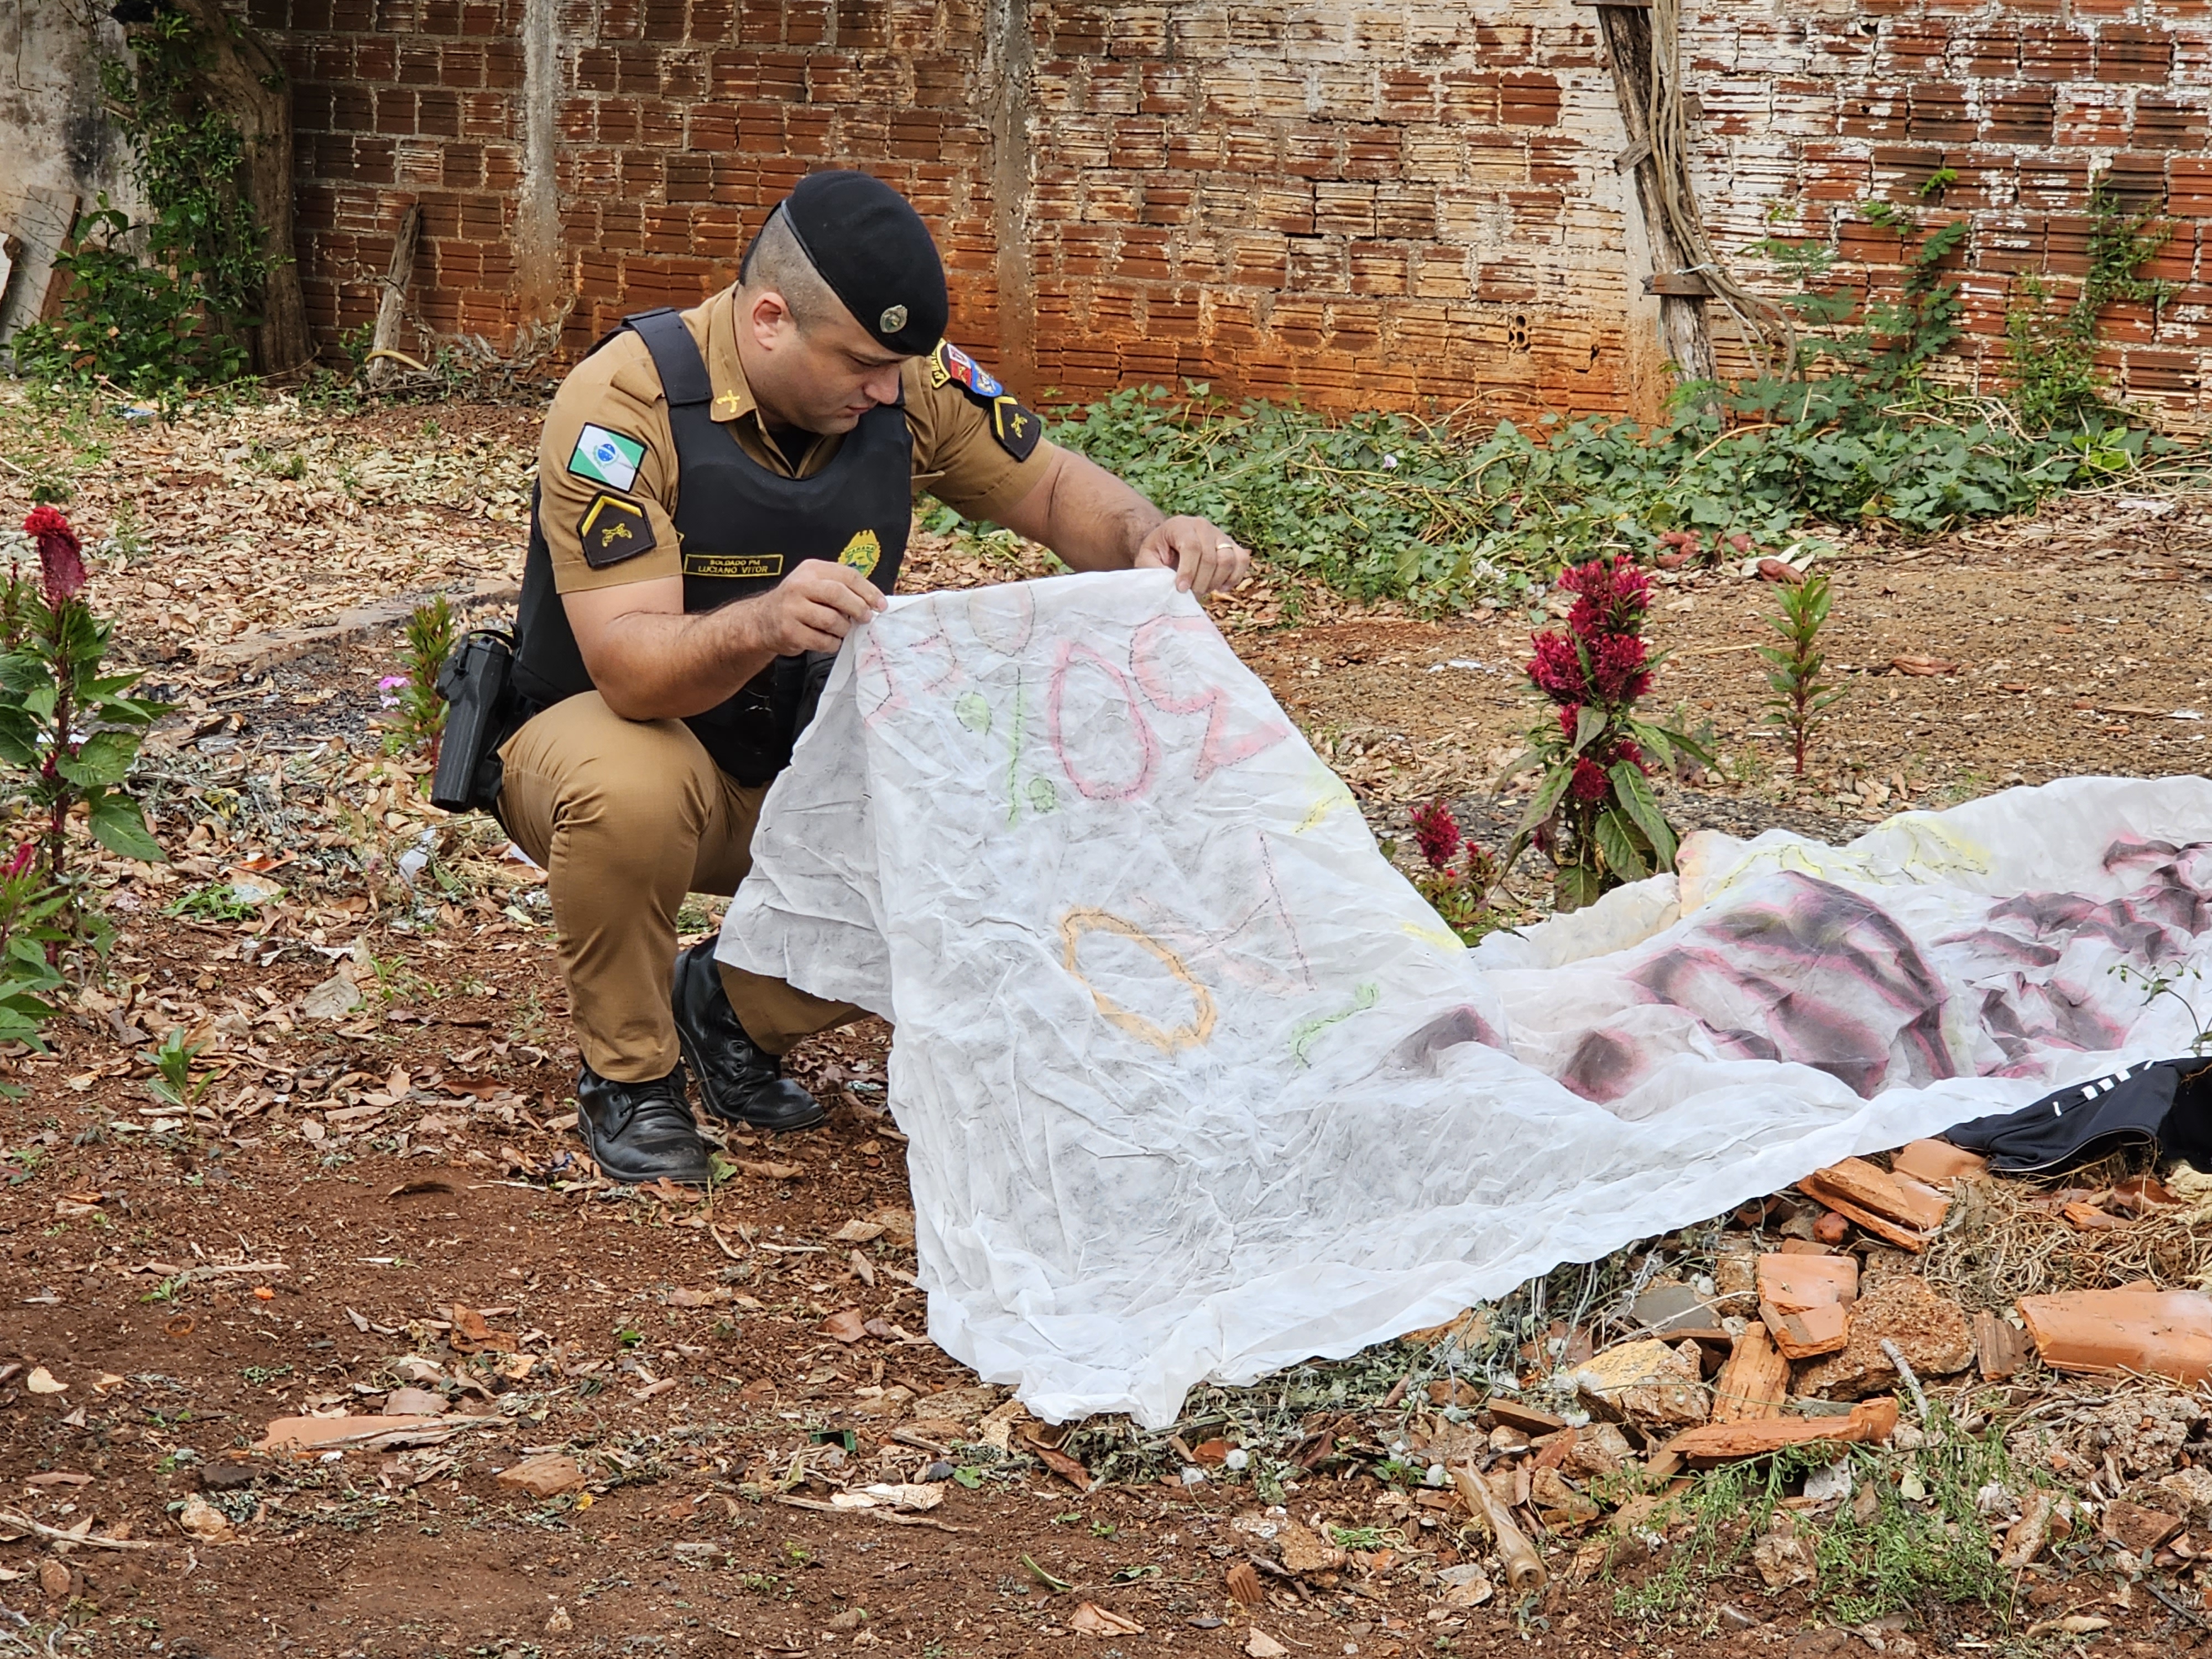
x=1411, y=205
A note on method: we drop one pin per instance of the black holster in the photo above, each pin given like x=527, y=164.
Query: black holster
x=482, y=711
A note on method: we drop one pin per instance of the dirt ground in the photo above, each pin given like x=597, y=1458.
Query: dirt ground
x=378, y=1188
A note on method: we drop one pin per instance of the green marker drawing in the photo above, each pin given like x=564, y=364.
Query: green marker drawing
x=1014, y=754
x=974, y=712
x=1307, y=1031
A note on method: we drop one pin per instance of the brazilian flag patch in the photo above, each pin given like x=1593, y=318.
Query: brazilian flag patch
x=613, y=529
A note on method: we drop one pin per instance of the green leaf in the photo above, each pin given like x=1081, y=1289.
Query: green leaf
x=1549, y=794
x=1527, y=761
x=1588, y=722
x=103, y=758
x=1642, y=806
x=1618, y=843
x=1575, y=885
x=117, y=824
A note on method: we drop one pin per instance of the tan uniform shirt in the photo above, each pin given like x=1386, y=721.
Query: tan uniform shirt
x=956, y=457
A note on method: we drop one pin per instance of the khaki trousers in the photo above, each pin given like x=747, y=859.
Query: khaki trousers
x=627, y=817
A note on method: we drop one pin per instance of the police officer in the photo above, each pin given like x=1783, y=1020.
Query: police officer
x=723, y=494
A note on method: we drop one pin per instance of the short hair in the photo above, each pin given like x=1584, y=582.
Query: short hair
x=776, y=260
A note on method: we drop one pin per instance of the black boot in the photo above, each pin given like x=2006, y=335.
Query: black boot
x=738, y=1082
x=640, y=1131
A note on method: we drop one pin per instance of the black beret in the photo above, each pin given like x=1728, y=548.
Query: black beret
x=874, y=250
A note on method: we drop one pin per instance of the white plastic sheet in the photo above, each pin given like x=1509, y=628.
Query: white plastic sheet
x=1197, y=1086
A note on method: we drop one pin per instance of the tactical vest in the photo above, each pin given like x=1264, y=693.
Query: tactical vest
x=741, y=529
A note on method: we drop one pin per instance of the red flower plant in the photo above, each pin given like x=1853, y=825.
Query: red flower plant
x=61, y=561
x=1436, y=832
x=1593, y=813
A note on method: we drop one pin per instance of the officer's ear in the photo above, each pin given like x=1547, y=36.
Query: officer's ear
x=769, y=316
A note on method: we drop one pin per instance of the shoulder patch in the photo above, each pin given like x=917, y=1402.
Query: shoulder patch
x=606, y=458
x=950, y=366
x=1016, y=428
x=613, y=528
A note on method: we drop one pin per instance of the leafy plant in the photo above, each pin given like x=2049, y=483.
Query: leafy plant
x=417, y=719
x=165, y=302
x=2053, y=354
x=140, y=322
x=175, y=1082
x=1593, y=813
x=1456, y=892
x=30, y=935
x=1801, y=697
x=72, y=730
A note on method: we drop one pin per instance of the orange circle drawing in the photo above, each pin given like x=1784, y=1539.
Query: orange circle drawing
x=1167, y=1039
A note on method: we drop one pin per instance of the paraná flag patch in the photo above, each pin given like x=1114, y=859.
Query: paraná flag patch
x=606, y=458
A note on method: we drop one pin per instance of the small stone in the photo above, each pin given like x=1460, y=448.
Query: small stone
x=1303, y=1551
x=334, y=999
x=1930, y=1330
x=1782, y=1557
x=1562, y=1506
x=201, y=1520
x=1465, y=1586
x=558, y=1623
x=2193, y=1487
x=1599, y=1448
x=2138, y=1529
x=547, y=1476
x=1645, y=1384
x=939, y=1470
x=852, y=1619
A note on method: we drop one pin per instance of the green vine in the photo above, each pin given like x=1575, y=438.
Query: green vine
x=166, y=300
x=2053, y=352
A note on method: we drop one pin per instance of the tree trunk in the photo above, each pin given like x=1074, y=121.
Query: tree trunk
x=1627, y=30
x=245, y=80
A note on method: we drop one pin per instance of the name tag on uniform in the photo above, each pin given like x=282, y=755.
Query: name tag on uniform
x=732, y=567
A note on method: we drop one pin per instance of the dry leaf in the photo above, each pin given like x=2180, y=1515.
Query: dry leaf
x=1923, y=666
x=1261, y=1645
x=859, y=1232
x=41, y=1381
x=847, y=1325
x=772, y=1171
x=1091, y=1619
x=201, y=1520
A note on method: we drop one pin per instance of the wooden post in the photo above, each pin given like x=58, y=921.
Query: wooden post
x=391, y=308
x=1626, y=25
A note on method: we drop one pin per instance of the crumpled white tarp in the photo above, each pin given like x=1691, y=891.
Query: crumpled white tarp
x=1197, y=1086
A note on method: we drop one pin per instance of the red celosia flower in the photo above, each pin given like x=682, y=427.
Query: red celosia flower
x=1436, y=832
x=1570, y=720
x=1590, y=781
x=61, y=562
x=1557, y=668
x=1617, y=668
x=1613, y=598
x=22, y=861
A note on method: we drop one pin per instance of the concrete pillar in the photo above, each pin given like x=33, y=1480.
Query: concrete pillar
x=544, y=284
x=1009, y=74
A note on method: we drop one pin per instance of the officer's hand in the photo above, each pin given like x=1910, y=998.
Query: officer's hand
x=1204, y=559
x=815, y=607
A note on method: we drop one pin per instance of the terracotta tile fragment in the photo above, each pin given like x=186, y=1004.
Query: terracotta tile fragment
x=1754, y=1382
x=1872, y=1420
x=1795, y=1283
x=2159, y=1333
x=1938, y=1163
x=1901, y=1199
x=1999, y=1345
x=1808, y=1333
